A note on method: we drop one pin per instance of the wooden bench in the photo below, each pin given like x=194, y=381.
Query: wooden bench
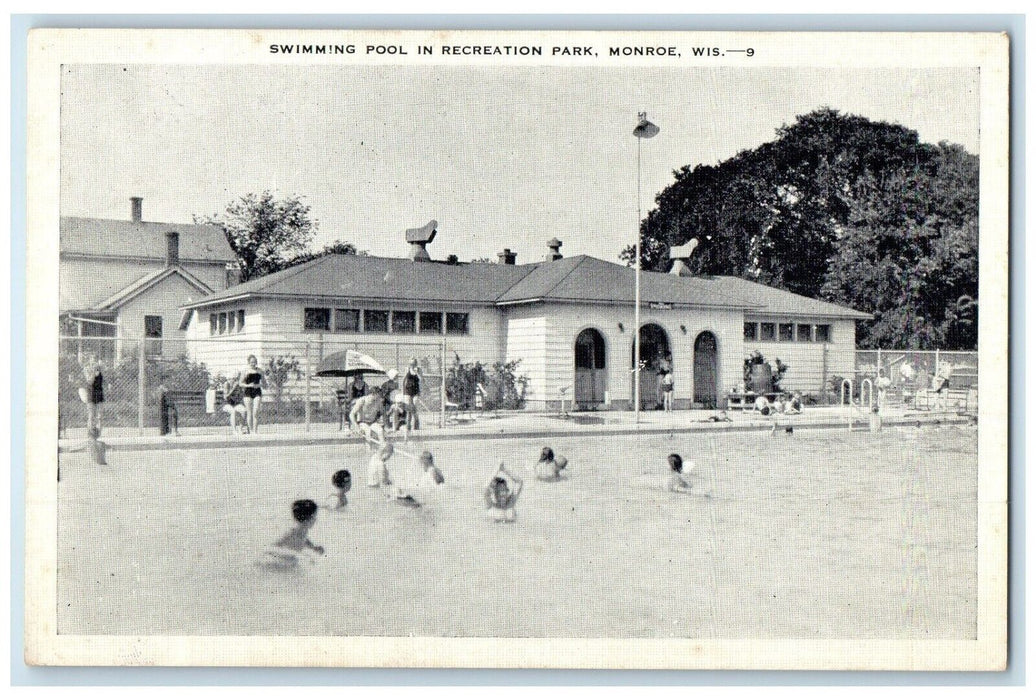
x=746, y=401
x=958, y=399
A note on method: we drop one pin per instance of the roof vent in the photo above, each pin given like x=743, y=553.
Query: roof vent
x=555, y=249
x=136, y=209
x=680, y=254
x=507, y=257
x=418, y=238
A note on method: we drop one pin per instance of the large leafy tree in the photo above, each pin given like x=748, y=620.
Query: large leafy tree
x=266, y=233
x=841, y=208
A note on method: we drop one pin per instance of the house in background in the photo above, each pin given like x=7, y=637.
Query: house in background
x=568, y=320
x=129, y=278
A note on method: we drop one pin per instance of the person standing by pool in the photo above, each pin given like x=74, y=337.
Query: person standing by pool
x=411, y=390
x=92, y=392
x=366, y=416
x=250, y=379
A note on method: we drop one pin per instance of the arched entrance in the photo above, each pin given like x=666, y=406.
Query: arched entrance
x=591, y=369
x=654, y=350
x=705, y=371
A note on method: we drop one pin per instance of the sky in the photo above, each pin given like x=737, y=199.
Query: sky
x=500, y=157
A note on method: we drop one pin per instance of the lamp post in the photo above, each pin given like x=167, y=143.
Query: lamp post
x=643, y=130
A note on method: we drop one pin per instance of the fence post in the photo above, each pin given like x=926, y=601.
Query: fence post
x=936, y=362
x=140, y=387
x=823, y=373
x=442, y=385
x=879, y=363
x=308, y=381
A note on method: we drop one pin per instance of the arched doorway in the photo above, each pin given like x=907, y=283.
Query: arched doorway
x=705, y=371
x=591, y=369
x=654, y=349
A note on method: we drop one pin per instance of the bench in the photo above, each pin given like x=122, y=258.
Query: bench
x=172, y=401
x=746, y=401
x=959, y=399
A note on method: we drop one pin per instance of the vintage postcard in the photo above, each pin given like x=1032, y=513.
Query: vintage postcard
x=517, y=349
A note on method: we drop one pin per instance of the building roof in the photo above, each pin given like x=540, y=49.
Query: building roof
x=369, y=277
x=785, y=303
x=138, y=287
x=577, y=279
x=117, y=238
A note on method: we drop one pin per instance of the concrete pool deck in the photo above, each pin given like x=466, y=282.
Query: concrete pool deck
x=488, y=426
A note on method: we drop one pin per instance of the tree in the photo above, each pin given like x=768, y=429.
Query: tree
x=841, y=208
x=266, y=234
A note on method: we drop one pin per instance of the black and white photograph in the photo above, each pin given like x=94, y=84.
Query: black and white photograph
x=517, y=349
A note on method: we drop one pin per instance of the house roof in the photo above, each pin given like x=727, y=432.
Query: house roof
x=145, y=239
x=138, y=287
x=785, y=303
x=576, y=279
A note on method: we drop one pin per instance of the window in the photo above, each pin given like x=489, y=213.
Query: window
x=241, y=320
x=767, y=331
x=803, y=333
x=456, y=324
x=223, y=323
x=404, y=322
x=431, y=322
x=823, y=334
x=316, y=319
x=153, y=334
x=213, y=324
x=347, y=320
x=751, y=331
x=232, y=322
x=787, y=332
x=375, y=321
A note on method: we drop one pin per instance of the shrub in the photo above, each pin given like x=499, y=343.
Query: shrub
x=278, y=370
x=504, y=387
x=776, y=373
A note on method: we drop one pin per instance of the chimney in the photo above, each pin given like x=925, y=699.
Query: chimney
x=555, y=249
x=507, y=257
x=418, y=238
x=172, y=249
x=136, y=209
x=233, y=274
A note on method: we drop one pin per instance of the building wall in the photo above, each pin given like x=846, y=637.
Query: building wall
x=226, y=354
x=544, y=338
x=163, y=300
x=812, y=364
x=85, y=282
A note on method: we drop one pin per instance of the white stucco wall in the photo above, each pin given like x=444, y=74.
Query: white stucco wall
x=809, y=362
x=544, y=338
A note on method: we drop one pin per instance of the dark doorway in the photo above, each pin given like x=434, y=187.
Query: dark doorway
x=705, y=371
x=654, y=353
x=591, y=369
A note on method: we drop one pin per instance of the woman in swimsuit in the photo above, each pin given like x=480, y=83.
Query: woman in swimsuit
x=251, y=380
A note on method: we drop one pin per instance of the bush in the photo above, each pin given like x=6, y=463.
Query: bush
x=504, y=387
x=776, y=373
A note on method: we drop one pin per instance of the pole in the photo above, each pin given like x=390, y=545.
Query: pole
x=308, y=381
x=823, y=372
x=442, y=385
x=140, y=386
x=636, y=308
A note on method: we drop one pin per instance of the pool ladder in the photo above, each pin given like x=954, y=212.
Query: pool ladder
x=866, y=390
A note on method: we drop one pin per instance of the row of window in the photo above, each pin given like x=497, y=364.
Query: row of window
x=227, y=322
x=381, y=321
x=788, y=332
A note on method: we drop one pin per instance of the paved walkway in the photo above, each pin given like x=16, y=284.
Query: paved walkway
x=522, y=424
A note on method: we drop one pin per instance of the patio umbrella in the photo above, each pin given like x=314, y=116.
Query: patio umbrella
x=347, y=364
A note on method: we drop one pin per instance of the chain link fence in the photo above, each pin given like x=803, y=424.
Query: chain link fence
x=142, y=377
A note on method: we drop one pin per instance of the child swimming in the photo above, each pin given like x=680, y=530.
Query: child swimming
x=675, y=482
x=501, y=495
x=342, y=480
x=547, y=469
x=377, y=471
x=287, y=553
x=431, y=476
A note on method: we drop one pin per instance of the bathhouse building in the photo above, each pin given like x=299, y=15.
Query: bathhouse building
x=569, y=320
x=128, y=278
